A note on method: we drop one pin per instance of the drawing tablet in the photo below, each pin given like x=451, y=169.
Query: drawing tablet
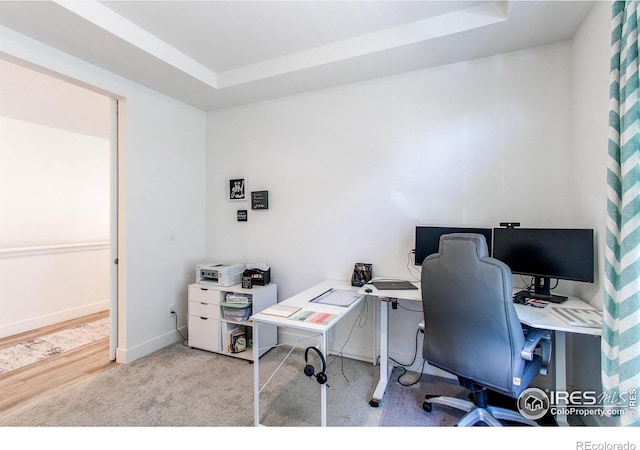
x=393, y=285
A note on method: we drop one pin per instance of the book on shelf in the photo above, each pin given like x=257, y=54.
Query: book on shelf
x=236, y=340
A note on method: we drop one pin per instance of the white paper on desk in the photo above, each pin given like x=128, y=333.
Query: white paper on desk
x=280, y=310
x=579, y=317
x=337, y=297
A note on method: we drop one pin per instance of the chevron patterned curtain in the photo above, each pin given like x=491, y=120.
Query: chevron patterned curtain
x=621, y=329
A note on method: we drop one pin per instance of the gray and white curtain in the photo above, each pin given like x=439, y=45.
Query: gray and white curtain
x=621, y=329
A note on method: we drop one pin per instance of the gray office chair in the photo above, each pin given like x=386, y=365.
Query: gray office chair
x=472, y=331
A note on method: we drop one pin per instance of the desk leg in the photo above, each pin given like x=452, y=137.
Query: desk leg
x=385, y=367
x=256, y=375
x=560, y=369
x=375, y=344
x=323, y=387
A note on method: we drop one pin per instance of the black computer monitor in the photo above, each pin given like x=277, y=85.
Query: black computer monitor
x=428, y=239
x=546, y=253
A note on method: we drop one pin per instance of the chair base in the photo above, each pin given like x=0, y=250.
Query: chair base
x=489, y=415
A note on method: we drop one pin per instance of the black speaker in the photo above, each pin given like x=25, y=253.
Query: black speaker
x=309, y=370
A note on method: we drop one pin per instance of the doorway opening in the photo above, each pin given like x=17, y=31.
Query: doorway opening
x=58, y=205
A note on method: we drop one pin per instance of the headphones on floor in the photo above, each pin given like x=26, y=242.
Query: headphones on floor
x=309, y=370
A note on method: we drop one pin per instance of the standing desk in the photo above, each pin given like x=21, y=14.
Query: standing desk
x=303, y=301
x=386, y=297
x=542, y=318
x=545, y=319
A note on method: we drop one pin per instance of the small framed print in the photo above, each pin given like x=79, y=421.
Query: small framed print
x=236, y=189
x=242, y=215
x=260, y=200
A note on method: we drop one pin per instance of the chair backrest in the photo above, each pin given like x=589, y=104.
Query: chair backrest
x=471, y=326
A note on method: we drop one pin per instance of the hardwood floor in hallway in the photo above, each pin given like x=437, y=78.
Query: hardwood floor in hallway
x=37, y=380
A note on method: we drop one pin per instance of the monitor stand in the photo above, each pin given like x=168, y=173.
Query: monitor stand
x=553, y=298
x=542, y=291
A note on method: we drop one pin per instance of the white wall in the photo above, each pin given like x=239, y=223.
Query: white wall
x=590, y=111
x=162, y=160
x=352, y=170
x=54, y=185
x=590, y=92
x=165, y=179
x=40, y=286
x=54, y=222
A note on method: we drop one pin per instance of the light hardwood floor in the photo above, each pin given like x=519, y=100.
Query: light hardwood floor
x=37, y=380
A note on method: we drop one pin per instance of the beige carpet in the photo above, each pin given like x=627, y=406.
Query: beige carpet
x=180, y=397
x=183, y=387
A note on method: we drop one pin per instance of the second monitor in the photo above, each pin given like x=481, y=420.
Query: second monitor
x=428, y=239
x=545, y=254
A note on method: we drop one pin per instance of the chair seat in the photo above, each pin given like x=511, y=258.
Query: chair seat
x=530, y=371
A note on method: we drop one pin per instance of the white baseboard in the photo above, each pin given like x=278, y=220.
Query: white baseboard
x=126, y=356
x=34, y=323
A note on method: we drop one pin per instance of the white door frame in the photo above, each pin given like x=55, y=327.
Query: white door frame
x=113, y=227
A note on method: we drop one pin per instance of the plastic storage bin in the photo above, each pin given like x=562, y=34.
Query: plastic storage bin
x=237, y=298
x=237, y=312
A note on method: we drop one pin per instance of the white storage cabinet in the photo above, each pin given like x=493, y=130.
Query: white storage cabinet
x=209, y=325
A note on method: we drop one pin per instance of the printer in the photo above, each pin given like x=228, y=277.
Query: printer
x=220, y=274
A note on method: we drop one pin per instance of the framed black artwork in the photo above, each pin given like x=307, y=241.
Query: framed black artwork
x=260, y=200
x=237, y=189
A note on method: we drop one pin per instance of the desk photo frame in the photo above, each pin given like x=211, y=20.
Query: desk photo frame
x=362, y=274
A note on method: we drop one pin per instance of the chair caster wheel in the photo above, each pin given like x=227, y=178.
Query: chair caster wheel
x=427, y=406
x=374, y=403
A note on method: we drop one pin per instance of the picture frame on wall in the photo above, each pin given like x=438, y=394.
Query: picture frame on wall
x=260, y=200
x=236, y=189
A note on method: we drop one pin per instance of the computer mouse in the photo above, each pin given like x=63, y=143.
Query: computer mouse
x=368, y=290
x=519, y=299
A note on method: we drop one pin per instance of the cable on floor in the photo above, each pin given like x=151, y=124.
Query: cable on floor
x=361, y=320
x=184, y=339
x=404, y=366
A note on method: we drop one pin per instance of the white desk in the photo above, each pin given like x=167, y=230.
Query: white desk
x=542, y=318
x=301, y=300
